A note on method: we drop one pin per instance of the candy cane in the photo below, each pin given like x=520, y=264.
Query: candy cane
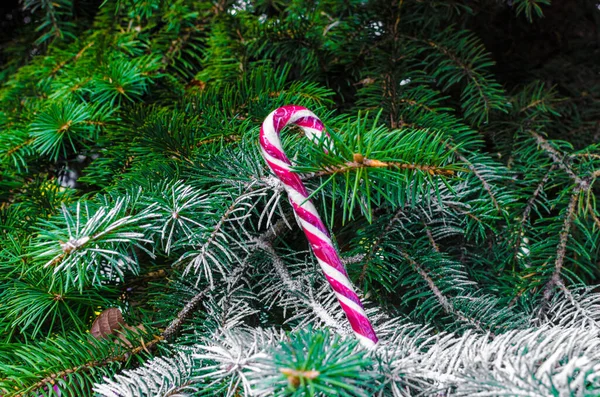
x=316, y=232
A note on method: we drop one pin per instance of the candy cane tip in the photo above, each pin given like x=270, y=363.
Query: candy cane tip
x=366, y=342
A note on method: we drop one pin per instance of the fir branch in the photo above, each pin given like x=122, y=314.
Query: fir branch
x=267, y=237
x=539, y=188
x=292, y=286
x=153, y=379
x=73, y=59
x=51, y=16
x=582, y=313
x=526, y=212
x=561, y=250
x=175, y=325
x=484, y=182
x=434, y=245
x=464, y=58
x=367, y=259
x=529, y=7
x=90, y=367
x=202, y=254
x=360, y=162
x=439, y=295
x=89, y=241
x=18, y=147
x=557, y=157
x=455, y=148
x=583, y=184
x=180, y=41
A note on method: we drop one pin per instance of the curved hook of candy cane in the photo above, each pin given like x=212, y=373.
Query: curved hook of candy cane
x=306, y=213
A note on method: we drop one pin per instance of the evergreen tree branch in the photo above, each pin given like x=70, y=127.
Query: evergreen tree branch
x=90, y=347
x=539, y=188
x=18, y=147
x=367, y=259
x=90, y=366
x=73, y=59
x=203, y=251
x=439, y=295
x=180, y=41
x=434, y=245
x=267, y=237
x=562, y=245
x=361, y=162
x=557, y=157
x=153, y=379
x=174, y=327
x=132, y=148
x=526, y=212
x=582, y=314
x=486, y=185
x=52, y=18
x=455, y=148
x=93, y=236
x=292, y=286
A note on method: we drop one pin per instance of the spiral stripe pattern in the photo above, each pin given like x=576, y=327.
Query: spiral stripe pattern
x=306, y=213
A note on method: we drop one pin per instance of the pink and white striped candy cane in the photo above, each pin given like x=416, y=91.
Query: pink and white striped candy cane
x=316, y=232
